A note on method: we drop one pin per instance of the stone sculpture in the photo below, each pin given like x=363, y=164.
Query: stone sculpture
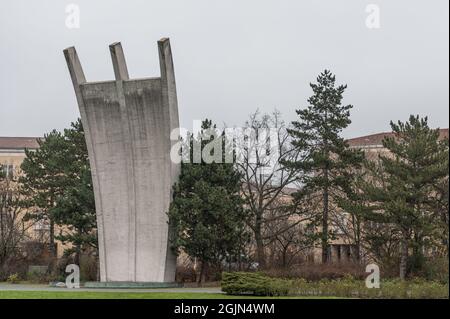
x=127, y=124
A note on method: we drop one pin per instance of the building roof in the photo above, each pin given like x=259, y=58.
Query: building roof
x=18, y=143
x=376, y=140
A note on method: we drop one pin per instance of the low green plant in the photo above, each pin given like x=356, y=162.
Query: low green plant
x=13, y=279
x=241, y=283
x=437, y=269
x=245, y=283
x=36, y=277
x=41, y=278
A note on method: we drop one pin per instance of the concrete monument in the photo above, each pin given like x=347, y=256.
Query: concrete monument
x=127, y=123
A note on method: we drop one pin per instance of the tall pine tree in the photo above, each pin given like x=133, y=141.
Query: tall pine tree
x=401, y=188
x=75, y=207
x=42, y=181
x=206, y=214
x=327, y=160
x=57, y=188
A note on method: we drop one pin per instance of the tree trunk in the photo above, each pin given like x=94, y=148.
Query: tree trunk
x=403, y=256
x=444, y=220
x=201, y=277
x=357, y=252
x=325, y=222
x=261, y=255
x=284, y=257
x=52, y=238
x=53, y=254
x=77, y=255
x=78, y=251
x=1, y=225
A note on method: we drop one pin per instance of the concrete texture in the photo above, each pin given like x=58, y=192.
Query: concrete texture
x=127, y=124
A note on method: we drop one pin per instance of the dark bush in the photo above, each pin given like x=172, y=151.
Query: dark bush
x=88, y=267
x=241, y=283
x=346, y=287
x=185, y=273
x=316, y=272
x=13, y=266
x=437, y=269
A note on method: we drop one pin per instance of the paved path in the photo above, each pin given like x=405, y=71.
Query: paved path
x=29, y=287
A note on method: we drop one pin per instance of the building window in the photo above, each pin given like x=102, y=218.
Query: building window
x=41, y=225
x=7, y=170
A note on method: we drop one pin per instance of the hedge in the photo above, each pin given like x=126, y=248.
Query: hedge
x=245, y=283
x=258, y=284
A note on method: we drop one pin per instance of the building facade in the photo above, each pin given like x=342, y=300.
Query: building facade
x=12, y=154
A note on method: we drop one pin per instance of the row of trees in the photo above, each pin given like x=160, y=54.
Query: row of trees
x=290, y=195
x=395, y=204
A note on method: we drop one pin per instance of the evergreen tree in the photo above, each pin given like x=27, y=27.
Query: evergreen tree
x=57, y=188
x=327, y=162
x=441, y=211
x=75, y=207
x=42, y=181
x=401, y=188
x=206, y=214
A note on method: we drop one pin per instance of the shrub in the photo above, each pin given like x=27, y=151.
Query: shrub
x=422, y=289
x=437, y=269
x=13, y=279
x=185, y=273
x=43, y=273
x=347, y=287
x=12, y=266
x=241, y=283
x=88, y=268
x=316, y=272
x=39, y=278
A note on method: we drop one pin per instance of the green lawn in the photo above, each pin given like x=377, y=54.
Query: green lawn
x=11, y=294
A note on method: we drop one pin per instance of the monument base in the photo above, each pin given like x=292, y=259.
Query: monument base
x=131, y=284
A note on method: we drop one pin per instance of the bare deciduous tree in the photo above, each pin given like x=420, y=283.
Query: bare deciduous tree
x=13, y=231
x=290, y=238
x=265, y=185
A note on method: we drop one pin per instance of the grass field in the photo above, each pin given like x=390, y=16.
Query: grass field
x=11, y=294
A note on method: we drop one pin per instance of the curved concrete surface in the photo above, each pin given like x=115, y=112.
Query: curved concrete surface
x=127, y=124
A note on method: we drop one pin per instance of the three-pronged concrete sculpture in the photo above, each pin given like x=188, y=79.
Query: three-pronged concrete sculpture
x=127, y=124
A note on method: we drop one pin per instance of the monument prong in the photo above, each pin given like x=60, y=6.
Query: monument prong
x=170, y=103
x=75, y=69
x=78, y=78
x=165, y=57
x=118, y=60
x=127, y=124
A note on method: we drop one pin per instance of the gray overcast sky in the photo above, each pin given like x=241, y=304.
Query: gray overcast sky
x=230, y=57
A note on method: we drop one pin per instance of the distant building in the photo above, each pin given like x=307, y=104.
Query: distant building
x=12, y=154
x=341, y=248
x=12, y=151
x=372, y=146
x=374, y=142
